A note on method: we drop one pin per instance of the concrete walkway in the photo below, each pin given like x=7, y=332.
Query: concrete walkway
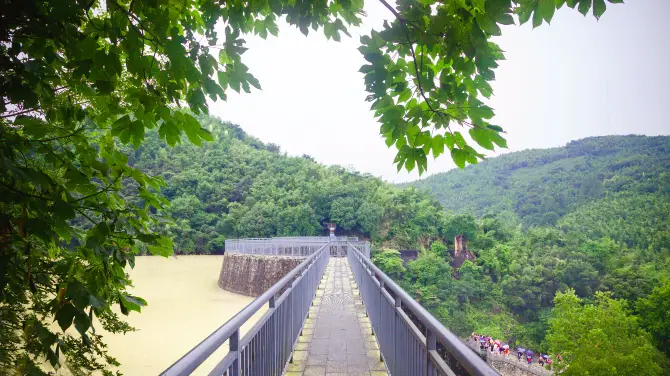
x=337, y=339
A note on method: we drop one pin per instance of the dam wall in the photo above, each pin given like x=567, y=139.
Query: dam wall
x=252, y=275
x=511, y=367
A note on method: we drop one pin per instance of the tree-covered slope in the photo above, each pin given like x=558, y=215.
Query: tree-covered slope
x=539, y=187
x=237, y=186
x=612, y=240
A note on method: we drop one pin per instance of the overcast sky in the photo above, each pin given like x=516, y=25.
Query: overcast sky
x=575, y=78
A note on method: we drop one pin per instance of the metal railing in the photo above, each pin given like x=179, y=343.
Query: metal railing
x=406, y=348
x=304, y=238
x=291, y=246
x=267, y=347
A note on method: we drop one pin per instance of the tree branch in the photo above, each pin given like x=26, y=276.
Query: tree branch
x=19, y=113
x=132, y=17
x=417, y=72
x=99, y=192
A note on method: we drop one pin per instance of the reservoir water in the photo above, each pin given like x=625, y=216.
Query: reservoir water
x=185, y=306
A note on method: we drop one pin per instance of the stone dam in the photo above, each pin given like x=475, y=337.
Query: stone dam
x=252, y=275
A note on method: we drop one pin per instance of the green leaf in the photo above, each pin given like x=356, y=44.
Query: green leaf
x=32, y=126
x=482, y=137
x=525, y=10
x=437, y=144
x=459, y=157
x=498, y=139
x=128, y=130
x=82, y=322
x=192, y=129
x=537, y=18
x=205, y=134
x=162, y=247
x=495, y=128
x=546, y=8
x=505, y=19
x=481, y=112
x=584, y=6
x=405, y=95
x=169, y=132
x=132, y=303
x=599, y=8
x=223, y=79
x=77, y=294
x=253, y=81
x=65, y=315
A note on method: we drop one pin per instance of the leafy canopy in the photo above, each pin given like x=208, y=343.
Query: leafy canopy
x=601, y=338
x=78, y=77
x=430, y=70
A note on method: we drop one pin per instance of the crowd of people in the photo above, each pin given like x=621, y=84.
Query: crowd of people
x=498, y=348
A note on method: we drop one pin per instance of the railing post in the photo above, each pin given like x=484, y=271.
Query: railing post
x=379, y=307
x=234, y=343
x=431, y=344
x=397, y=306
x=272, y=305
x=291, y=315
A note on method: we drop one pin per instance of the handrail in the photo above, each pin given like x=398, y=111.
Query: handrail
x=288, y=246
x=300, y=239
x=230, y=330
x=472, y=363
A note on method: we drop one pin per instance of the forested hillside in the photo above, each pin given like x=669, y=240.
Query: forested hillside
x=236, y=186
x=579, y=231
x=595, y=243
x=539, y=187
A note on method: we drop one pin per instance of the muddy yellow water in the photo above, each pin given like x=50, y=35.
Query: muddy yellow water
x=185, y=306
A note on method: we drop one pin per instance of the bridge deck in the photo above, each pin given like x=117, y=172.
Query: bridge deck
x=337, y=338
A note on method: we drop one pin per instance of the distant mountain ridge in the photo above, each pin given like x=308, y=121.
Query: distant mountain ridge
x=540, y=186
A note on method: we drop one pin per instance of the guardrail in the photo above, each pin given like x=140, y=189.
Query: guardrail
x=266, y=348
x=406, y=348
x=273, y=247
x=300, y=239
x=291, y=246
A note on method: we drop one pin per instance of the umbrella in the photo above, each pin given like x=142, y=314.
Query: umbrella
x=529, y=352
x=544, y=356
x=505, y=346
x=496, y=341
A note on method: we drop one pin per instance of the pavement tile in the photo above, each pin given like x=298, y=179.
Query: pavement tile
x=315, y=371
x=337, y=337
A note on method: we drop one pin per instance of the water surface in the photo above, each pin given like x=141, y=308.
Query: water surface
x=185, y=306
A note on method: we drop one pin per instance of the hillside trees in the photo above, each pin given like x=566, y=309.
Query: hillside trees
x=601, y=338
x=655, y=313
x=80, y=76
x=546, y=187
x=260, y=193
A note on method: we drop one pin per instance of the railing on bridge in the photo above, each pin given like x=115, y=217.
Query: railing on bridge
x=267, y=347
x=411, y=341
x=416, y=345
x=292, y=246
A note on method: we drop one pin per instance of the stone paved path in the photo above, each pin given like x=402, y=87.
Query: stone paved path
x=337, y=339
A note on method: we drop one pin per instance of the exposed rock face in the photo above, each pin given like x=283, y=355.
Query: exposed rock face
x=251, y=275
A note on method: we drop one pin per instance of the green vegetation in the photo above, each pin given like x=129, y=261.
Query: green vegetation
x=601, y=338
x=531, y=278
x=79, y=78
x=596, y=177
x=238, y=187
